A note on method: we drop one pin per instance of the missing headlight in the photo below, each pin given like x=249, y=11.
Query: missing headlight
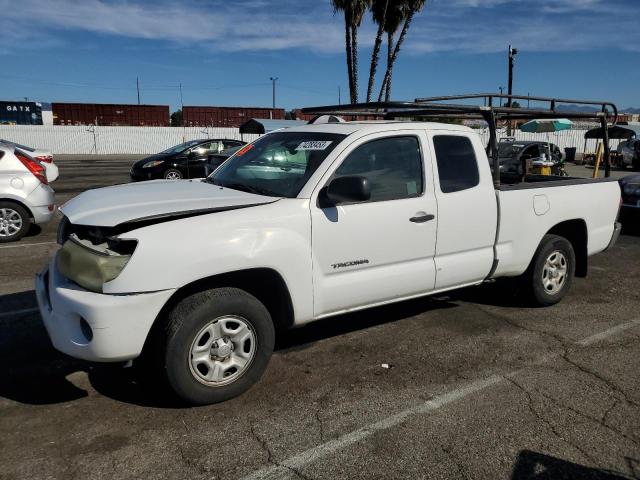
x=91, y=266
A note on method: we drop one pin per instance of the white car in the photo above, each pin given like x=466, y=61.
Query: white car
x=43, y=156
x=25, y=196
x=348, y=216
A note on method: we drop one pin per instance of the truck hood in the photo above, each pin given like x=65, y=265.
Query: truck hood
x=112, y=206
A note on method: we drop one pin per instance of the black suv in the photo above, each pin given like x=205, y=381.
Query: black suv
x=187, y=160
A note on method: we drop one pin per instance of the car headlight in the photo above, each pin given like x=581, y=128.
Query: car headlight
x=153, y=163
x=91, y=266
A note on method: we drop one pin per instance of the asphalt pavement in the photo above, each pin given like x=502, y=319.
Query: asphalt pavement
x=477, y=385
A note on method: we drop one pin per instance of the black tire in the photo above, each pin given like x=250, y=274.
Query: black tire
x=172, y=174
x=189, y=317
x=11, y=209
x=535, y=274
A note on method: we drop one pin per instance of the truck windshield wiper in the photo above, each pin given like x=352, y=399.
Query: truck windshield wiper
x=247, y=188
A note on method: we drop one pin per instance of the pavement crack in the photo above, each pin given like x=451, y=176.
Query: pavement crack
x=548, y=423
x=320, y=424
x=614, y=388
x=456, y=462
x=271, y=459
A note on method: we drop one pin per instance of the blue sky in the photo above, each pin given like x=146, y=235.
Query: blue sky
x=223, y=52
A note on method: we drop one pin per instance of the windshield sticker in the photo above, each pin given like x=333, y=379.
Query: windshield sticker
x=314, y=145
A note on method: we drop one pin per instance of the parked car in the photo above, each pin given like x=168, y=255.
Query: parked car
x=514, y=153
x=216, y=159
x=630, y=151
x=630, y=186
x=187, y=160
x=301, y=225
x=43, y=156
x=25, y=196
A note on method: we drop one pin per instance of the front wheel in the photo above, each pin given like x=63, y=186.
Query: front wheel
x=217, y=345
x=173, y=174
x=551, y=271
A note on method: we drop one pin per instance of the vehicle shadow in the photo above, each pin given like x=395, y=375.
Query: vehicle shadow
x=33, y=372
x=538, y=466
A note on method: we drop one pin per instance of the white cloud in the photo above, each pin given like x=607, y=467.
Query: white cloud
x=273, y=25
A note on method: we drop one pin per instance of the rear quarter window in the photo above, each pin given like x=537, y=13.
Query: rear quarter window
x=457, y=163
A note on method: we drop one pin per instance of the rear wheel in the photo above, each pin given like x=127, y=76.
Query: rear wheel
x=550, y=274
x=14, y=222
x=217, y=345
x=173, y=174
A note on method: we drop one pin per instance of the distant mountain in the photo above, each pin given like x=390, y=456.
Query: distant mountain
x=587, y=108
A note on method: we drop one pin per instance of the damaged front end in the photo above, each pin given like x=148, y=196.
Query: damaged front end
x=92, y=256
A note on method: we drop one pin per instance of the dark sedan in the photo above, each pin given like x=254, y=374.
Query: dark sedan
x=630, y=187
x=512, y=154
x=187, y=160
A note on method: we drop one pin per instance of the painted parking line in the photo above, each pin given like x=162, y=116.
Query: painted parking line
x=598, y=337
x=289, y=467
x=18, y=312
x=27, y=245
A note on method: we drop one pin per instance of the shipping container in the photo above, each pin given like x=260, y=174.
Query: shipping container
x=20, y=113
x=233, y=117
x=110, y=114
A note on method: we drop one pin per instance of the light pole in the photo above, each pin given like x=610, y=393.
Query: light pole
x=512, y=53
x=273, y=92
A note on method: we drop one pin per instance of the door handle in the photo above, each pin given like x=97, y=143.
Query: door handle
x=422, y=218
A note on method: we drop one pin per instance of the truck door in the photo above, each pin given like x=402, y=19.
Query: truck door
x=381, y=249
x=467, y=209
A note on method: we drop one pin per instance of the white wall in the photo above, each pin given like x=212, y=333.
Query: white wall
x=145, y=140
x=110, y=140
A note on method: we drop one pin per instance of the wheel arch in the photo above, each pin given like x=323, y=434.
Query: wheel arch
x=266, y=284
x=575, y=231
x=18, y=202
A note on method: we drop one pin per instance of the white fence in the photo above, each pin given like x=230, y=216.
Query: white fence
x=145, y=140
x=111, y=140
x=563, y=139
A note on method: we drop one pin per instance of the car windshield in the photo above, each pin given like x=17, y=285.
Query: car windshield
x=278, y=164
x=181, y=147
x=508, y=149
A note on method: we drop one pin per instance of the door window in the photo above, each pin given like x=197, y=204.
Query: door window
x=457, y=164
x=392, y=165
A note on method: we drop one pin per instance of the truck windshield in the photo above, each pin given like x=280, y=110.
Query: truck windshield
x=278, y=164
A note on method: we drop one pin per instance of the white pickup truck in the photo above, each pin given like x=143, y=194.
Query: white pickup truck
x=303, y=224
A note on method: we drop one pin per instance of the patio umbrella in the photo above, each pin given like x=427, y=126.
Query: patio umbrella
x=547, y=126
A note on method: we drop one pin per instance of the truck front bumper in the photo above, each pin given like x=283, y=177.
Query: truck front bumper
x=94, y=326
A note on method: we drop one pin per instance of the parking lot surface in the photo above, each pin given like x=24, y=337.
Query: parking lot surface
x=478, y=385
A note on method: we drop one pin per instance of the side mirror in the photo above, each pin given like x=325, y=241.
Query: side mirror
x=346, y=189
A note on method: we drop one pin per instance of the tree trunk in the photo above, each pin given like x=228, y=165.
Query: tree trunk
x=354, y=63
x=375, y=55
x=347, y=34
x=394, y=56
x=383, y=87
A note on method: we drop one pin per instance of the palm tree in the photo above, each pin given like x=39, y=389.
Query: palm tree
x=406, y=10
x=379, y=14
x=354, y=11
x=358, y=9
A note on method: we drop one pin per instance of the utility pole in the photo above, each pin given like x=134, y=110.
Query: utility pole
x=339, y=96
x=138, y=89
x=512, y=53
x=273, y=94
